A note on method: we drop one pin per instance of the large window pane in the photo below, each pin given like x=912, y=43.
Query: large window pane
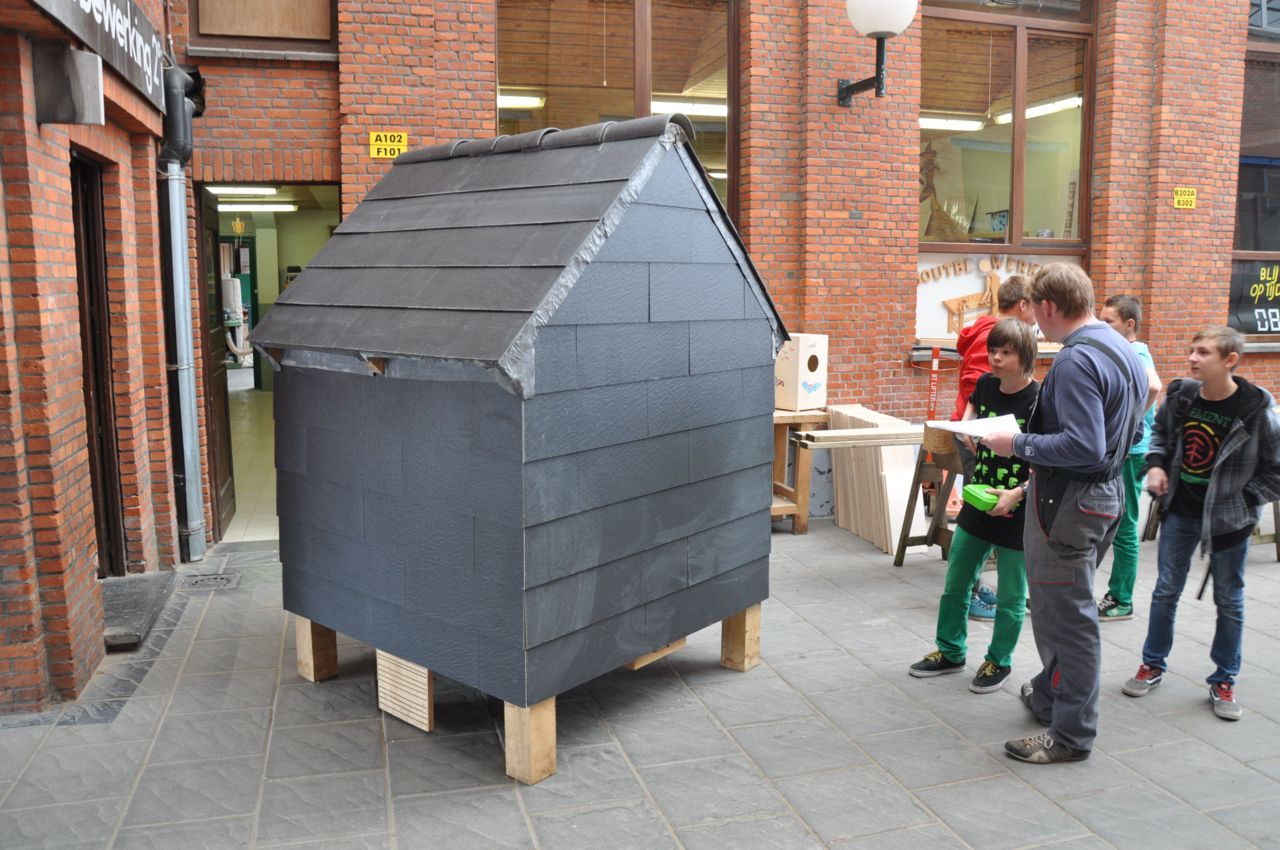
x=564, y=63
x=691, y=75
x=1060, y=10
x=1055, y=98
x=1258, y=191
x=966, y=135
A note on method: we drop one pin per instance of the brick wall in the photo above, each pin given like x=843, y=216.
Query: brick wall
x=50, y=599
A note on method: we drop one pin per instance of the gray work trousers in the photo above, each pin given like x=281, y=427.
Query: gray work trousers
x=1068, y=528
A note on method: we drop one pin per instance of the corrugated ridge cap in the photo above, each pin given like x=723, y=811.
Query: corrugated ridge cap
x=551, y=137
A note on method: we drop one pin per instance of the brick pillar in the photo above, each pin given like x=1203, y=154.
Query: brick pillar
x=37, y=209
x=427, y=69
x=770, y=191
x=1195, y=121
x=24, y=681
x=861, y=207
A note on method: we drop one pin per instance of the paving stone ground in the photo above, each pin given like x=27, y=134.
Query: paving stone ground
x=207, y=738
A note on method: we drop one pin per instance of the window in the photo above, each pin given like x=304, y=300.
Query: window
x=1264, y=19
x=1002, y=137
x=1255, y=278
x=280, y=25
x=566, y=63
x=1062, y=10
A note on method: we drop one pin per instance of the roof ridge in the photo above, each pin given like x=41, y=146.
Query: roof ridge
x=552, y=137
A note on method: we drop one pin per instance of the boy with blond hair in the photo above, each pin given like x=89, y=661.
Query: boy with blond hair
x=1214, y=462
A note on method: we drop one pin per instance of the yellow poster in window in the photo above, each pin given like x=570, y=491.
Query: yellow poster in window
x=1184, y=199
x=387, y=144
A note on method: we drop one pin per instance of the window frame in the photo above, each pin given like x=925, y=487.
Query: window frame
x=642, y=98
x=1025, y=28
x=1257, y=52
x=278, y=48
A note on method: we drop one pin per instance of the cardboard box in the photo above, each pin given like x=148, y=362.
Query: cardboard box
x=800, y=373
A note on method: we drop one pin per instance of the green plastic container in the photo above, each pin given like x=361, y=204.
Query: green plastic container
x=977, y=495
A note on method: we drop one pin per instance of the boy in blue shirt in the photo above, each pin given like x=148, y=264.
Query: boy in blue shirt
x=1124, y=314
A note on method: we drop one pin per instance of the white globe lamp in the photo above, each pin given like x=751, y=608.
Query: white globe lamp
x=881, y=20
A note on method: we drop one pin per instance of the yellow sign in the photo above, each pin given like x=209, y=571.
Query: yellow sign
x=387, y=144
x=1184, y=199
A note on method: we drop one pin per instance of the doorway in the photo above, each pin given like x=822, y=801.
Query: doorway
x=217, y=411
x=95, y=343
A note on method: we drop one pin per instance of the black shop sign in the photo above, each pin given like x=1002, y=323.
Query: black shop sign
x=1255, y=297
x=117, y=31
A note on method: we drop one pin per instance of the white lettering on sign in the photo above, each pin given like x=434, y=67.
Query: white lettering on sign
x=118, y=32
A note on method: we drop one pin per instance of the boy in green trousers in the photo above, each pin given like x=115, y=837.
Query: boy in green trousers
x=1008, y=389
x=1124, y=314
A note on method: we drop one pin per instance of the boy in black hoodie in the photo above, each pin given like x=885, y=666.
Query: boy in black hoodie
x=1214, y=462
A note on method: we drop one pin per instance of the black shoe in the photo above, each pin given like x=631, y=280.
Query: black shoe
x=989, y=678
x=1042, y=749
x=934, y=664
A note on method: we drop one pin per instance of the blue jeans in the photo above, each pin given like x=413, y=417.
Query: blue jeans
x=1179, y=537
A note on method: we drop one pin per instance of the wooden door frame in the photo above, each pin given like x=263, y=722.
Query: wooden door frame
x=89, y=222
x=222, y=506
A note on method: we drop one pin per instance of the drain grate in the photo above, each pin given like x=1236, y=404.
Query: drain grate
x=210, y=581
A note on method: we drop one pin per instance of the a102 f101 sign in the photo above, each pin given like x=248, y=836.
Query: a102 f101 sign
x=1255, y=296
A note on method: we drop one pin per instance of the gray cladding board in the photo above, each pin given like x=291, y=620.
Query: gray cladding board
x=590, y=478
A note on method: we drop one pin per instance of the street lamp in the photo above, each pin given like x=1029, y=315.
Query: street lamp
x=878, y=19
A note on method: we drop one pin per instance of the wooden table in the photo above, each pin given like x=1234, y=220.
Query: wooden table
x=793, y=500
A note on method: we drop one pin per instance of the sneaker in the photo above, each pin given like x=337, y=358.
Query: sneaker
x=1144, y=681
x=1025, y=694
x=1224, y=701
x=1110, y=609
x=1042, y=749
x=979, y=610
x=989, y=678
x=986, y=594
x=934, y=664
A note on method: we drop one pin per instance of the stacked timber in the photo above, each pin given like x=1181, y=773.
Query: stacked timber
x=873, y=459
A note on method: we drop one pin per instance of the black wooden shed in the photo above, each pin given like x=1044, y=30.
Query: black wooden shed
x=524, y=410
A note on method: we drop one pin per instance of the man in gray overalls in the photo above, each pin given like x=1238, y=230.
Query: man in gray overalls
x=1088, y=415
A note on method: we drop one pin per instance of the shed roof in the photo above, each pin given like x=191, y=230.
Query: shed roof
x=463, y=250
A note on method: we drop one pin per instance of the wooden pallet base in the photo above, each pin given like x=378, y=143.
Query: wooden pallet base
x=406, y=691
x=661, y=652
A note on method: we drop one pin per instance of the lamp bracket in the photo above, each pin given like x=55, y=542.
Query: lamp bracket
x=846, y=89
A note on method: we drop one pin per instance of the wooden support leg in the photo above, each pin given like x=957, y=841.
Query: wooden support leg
x=530, y=735
x=1275, y=518
x=804, y=472
x=317, y=650
x=740, y=639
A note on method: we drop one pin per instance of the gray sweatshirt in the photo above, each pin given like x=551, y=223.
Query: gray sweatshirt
x=1084, y=404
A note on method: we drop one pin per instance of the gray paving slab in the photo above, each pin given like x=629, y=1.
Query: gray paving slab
x=716, y=789
x=584, y=776
x=328, y=748
x=219, y=734
x=853, y=802
x=670, y=736
x=429, y=765
x=1146, y=816
x=473, y=820
x=928, y=837
x=73, y=774
x=632, y=825
x=935, y=755
x=221, y=834
x=737, y=702
x=793, y=747
x=1001, y=812
x=79, y=825
x=107, y=722
x=194, y=790
x=1202, y=776
x=780, y=833
x=326, y=702
x=323, y=807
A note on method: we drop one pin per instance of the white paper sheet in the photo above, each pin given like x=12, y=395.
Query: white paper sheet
x=980, y=428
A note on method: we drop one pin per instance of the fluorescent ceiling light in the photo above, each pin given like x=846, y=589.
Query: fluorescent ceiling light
x=242, y=190
x=959, y=125
x=718, y=175
x=257, y=208
x=521, y=101
x=690, y=107
x=1040, y=109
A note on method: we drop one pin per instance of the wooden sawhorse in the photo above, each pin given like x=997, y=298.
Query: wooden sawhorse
x=939, y=463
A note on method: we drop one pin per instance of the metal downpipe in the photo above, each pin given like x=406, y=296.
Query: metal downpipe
x=193, y=477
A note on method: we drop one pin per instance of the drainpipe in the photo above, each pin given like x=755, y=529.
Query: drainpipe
x=179, y=111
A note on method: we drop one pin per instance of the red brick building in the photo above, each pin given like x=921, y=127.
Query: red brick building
x=1013, y=133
